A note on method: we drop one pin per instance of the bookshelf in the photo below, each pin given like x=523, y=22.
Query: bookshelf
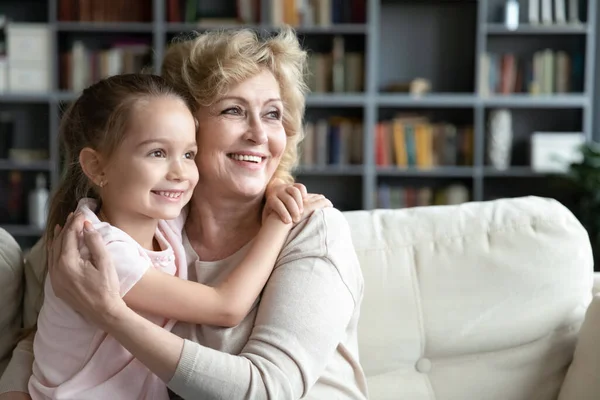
x=399, y=40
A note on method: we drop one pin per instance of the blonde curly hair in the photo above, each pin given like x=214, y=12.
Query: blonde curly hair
x=205, y=65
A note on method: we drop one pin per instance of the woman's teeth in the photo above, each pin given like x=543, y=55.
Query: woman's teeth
x=240, y=157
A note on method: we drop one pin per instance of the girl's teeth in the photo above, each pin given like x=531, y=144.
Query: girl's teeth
x=172, y=195
x=239, y=157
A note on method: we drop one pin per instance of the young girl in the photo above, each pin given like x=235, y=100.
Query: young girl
x=130, y=147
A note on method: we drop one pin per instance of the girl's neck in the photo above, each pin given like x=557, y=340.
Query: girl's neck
x=141, y=229
x=217, y=228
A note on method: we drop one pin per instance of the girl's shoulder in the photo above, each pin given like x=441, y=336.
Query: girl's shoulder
x=109, y=233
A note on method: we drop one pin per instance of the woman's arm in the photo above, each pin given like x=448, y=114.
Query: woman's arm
x=302, y=318
x=227, y=303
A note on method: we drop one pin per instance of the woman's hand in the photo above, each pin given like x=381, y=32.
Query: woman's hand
x=15, y=396
x=91, y=287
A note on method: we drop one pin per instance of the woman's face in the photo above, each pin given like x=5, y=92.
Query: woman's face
x=241, y=139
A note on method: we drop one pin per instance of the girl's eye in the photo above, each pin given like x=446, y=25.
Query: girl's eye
x=190, y=155
x=157, y=153
x=233, y=111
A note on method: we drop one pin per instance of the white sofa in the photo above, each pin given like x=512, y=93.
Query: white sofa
x=481, y=301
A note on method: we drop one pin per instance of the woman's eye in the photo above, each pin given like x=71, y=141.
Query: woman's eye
x=157, y=153
x=274, y=114
x=233, y=111
x=190, y=155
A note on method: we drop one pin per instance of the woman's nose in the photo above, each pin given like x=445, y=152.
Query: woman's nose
x=256, y=132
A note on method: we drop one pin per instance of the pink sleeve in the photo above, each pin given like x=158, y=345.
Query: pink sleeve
x=130, y=264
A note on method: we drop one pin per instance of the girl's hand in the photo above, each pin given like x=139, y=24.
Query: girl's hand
x=90, y=287
x=285, y=200
x=313, y=202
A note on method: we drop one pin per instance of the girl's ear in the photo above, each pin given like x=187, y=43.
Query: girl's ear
x=92, y=165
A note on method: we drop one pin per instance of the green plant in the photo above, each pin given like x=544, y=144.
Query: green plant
x=585, y=174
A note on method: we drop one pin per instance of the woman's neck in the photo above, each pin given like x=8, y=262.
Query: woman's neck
x=217, y=228
x=141, y=229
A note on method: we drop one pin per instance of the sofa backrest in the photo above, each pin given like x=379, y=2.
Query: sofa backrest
x=476, y=301
x=11, y=284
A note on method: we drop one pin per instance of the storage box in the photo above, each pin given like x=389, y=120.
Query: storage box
x=553, y=152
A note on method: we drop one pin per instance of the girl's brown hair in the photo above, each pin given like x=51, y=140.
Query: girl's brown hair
x=98, y=120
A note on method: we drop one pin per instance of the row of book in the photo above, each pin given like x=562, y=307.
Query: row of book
x=338, y=71
x=278, y=12
x=316, y=12
x=415, y=141
x=545, y=72
x=401, y=196
x=105, y=11
x=82, y=66
x=332, y=141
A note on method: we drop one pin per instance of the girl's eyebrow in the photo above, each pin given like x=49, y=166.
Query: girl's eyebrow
x=162, y=142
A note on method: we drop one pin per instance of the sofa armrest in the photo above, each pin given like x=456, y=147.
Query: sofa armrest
x=11, y=282
x=596, y=287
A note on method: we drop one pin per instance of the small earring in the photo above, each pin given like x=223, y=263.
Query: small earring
x=102, y=183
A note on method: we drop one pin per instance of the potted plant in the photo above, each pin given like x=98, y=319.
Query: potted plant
x=585, y=175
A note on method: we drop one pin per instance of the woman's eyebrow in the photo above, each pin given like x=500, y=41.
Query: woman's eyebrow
x=243, y=100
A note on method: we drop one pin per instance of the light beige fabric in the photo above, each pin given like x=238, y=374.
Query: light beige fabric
x=17, y=373
x=479, y=301
x=11, y=290
x=300, y=340
x=583, y=378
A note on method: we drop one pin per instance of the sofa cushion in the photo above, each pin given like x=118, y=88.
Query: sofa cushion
x=11, y=281
x=476, y=301
x=583, y=377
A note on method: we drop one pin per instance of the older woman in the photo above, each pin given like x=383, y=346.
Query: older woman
x=300, y=341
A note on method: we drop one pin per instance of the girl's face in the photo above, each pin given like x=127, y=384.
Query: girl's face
x=152, y=173
x=241, y=139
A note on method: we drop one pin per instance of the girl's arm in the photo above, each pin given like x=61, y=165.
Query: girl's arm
x=223, y=305
x=230, y=301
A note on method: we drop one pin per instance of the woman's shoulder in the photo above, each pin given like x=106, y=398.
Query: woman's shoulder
x=321, y=226
x=325, y=235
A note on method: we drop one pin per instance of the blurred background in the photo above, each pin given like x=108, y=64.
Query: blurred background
x=412, y=103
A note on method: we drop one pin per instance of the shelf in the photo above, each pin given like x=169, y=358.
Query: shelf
x=440, y=172
x=24, y=97
x=304, y=30
x=336, y=100
x=526, y=29
x=22, y=230
x=65, y=96
x=430, y=100
x=515, y=172
x=536, y=101
x=11, y=165
x=141, y=27
x=330, y=170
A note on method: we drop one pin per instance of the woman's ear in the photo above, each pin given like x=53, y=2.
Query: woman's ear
x=92, y=165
